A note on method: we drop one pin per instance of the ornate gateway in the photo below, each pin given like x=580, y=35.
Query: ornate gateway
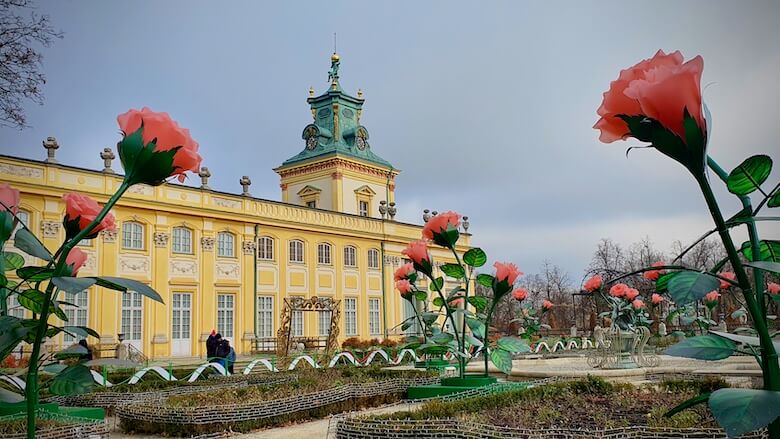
x=326, y=304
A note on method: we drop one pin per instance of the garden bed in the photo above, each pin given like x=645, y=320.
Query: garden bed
x=52, y=426
x=314, y=394
x=575, y=409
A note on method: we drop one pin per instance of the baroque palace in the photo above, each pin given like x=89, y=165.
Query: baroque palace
x=228, y=261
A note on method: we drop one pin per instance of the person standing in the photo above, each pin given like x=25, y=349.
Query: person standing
x=211, y=345
x=231, y=356
x=223, y=350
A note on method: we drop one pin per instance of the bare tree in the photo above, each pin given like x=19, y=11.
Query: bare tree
x=22, y=33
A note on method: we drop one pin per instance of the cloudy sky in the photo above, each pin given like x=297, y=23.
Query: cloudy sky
x=486, y=107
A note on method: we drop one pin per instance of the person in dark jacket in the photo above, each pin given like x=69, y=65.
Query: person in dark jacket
x=88, y=355
x=211, y=344
x=223, y=350
x=231, y=356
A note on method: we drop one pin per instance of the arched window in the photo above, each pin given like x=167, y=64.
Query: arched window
x=350, y=259
x=265, y=248
x=296, y=250
x=133, y=235
x=182, y=240
x=24, y=218
x=373, y=258
x=323, y=253
x=226, y=245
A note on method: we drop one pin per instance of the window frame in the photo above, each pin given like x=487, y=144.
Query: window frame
x=264, y=242
x=373, y=251
x=232, y=241
x=374, y=316
x=187, y=239
x=351, y=328
x=226, y=311
x=140, y=231
x=354, y=261
x=261, y=323
x=320, y=253
x=363, y=212
x=291, y=252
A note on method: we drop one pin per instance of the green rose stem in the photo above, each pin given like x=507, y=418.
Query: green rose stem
x=31, y=389
x=411, y=300
x=452, y=319
x=769, y=362
x=487, y=330
x=462, y=360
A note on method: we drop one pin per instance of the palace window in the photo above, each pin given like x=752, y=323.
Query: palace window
x=350, y=259
x=226, y=245
x=182, y=240
x=323, y=253
x=24, y=218
x=312, y=204
x=296, y=250
x=132, y=316
x=374, y=325
x=14, y=308
x=265, y=248
x=363, y=208
x=323, y=322
x=373, y=258
x=77, y=315
x=225, y=314
x=350, y=316
x=265, y=316
x=296, y=324
x=133, y=236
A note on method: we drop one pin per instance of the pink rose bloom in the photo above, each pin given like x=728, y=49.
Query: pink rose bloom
x=773, y=288
x=403, y=271
x=631, y=293
x=403, y=286
x=712, y=297
x=169, y=135
x=618, y=290
x=10, y=198
x=547, y=304
x=440, y=223
x=730, y=275
x=457, y=303
x=417, y=251
x=507, y=272
x=654, y=274
x=660, y=88
x=657, y=298
x=520, y=294
x=593, y=284
x=80, y=211
x=75, y=260
x=638, y=304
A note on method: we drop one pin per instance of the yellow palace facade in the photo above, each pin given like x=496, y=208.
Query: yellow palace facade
x=227, y=261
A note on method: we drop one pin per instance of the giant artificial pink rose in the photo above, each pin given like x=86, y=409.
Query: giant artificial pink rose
x=711, y=298
x=547, y=305
x=730, y=275
x=75, y=260
x=166, y=136
x=656, y=299
x=520, y=294
x=9, y=197
x=618, y=290
x=80, y=211
x=403, y=286
x=660, y=88
x=440, y=223
x=638, y=304
x=506, y=271
x=417, y=251
x=631, y=294
x=773, y=288
x=403, y=271
x=654, y=274
x=593, y=284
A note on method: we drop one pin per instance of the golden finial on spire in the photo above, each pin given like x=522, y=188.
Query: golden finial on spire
x=335, y=57
x=311, y=91
x=360, y=92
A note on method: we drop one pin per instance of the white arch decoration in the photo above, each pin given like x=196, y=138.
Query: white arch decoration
x=164, y=374
x=100, y=379
x=262, y=361
x=216, y=366
x=558, y=343
x=404, y=353
x=572, y=343
x=586, y=343
x=14, y=380
x=373, y=354
x=306, y=358
x=344, y=354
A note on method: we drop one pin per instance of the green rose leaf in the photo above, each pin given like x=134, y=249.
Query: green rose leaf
x=768, y=250
x=8, y=396
x=442, y=338
x=437, y=284
x=470, y=339
x=704, y=347
x=688, y=286
x=421, y=295
x=429, y=317
x=748, y=176
x=513, y=344
x=765, y=265
x=12, y=261
x=28, y=243
x=454, y=271
x=57, y=310
x=741, y=411
x=662, y=283
x=6, y=225
x=32, y=300
x=122, y=284
x=774, y=199
x=485, y=280
x=478, y=302
x=475, y=257
x=73, y=285
x=73, y=380
x=81, y=331
x=72, y=351
x=696, y=400
x=35, y=274
x=438, y=301
x=12, y=332
x=502, y=360
x=477, y=327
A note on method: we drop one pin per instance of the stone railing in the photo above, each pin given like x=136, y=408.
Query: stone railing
x=354, y=428
x=230, y=413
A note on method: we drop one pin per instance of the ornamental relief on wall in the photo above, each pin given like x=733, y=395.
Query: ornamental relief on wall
x=228, y=270
x=183, y=267
x=133, y=264
x=21, y=171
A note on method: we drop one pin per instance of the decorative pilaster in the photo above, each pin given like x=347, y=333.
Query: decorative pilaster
x=50, y=229
x=248, y=247
x=108, y=235
x=161, y=239
x=207, y=243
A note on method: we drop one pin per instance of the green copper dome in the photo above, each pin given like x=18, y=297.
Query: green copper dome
x=336, y=130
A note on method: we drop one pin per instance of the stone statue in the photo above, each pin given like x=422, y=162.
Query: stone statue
x=121, y=351
x=662, y=329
